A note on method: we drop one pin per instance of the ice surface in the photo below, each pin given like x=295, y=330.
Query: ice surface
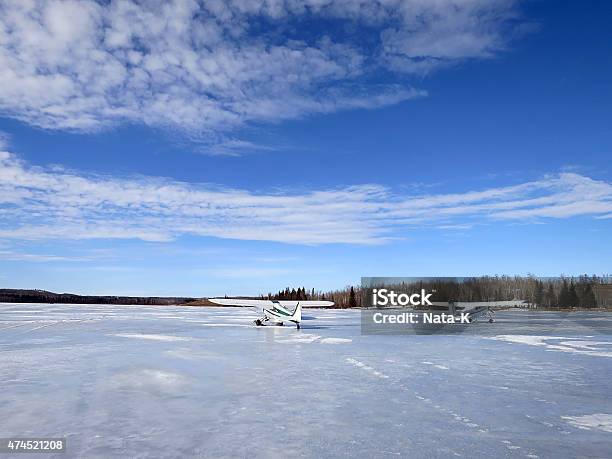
x=594, y=421
x=153, y=337
x=135, y=381
x=563, y=344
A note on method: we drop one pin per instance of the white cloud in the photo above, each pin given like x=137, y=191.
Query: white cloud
x=38, y=203
x=204, y=67
x=10, y=255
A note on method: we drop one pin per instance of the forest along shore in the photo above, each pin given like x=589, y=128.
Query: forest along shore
x=43, y=296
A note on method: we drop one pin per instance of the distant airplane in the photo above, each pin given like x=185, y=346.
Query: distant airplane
x=275, y=312
x=476, y=310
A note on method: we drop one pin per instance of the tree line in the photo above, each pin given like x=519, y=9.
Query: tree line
x=555, y=292
x=43, y=296
x=342, y=298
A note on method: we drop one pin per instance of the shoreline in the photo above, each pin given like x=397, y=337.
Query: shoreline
x=203, y=303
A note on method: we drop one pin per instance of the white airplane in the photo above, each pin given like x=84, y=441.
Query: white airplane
x=477, y=310
x=275, y=312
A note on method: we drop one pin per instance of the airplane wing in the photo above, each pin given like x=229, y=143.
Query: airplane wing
x=306, y=304
x=468, y=305
x=490, y=304
x=241, y=302
x=269, y=303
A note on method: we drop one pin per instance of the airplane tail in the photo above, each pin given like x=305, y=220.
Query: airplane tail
x=297, y=314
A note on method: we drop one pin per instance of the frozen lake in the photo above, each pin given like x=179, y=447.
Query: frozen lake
x=136, y=381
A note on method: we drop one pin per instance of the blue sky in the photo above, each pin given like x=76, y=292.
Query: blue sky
x=240, y=147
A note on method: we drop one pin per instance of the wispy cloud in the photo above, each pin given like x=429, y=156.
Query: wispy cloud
x=210, y=66
x=9, y=255
x=39, y=203
x=4, y=141
x=236, y=147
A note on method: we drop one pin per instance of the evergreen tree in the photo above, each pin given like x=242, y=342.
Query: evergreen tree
x=551, y=298
x=538, y=297
x=564, y=299
x=572, y=296
x=588, y=299
x=352, y=298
